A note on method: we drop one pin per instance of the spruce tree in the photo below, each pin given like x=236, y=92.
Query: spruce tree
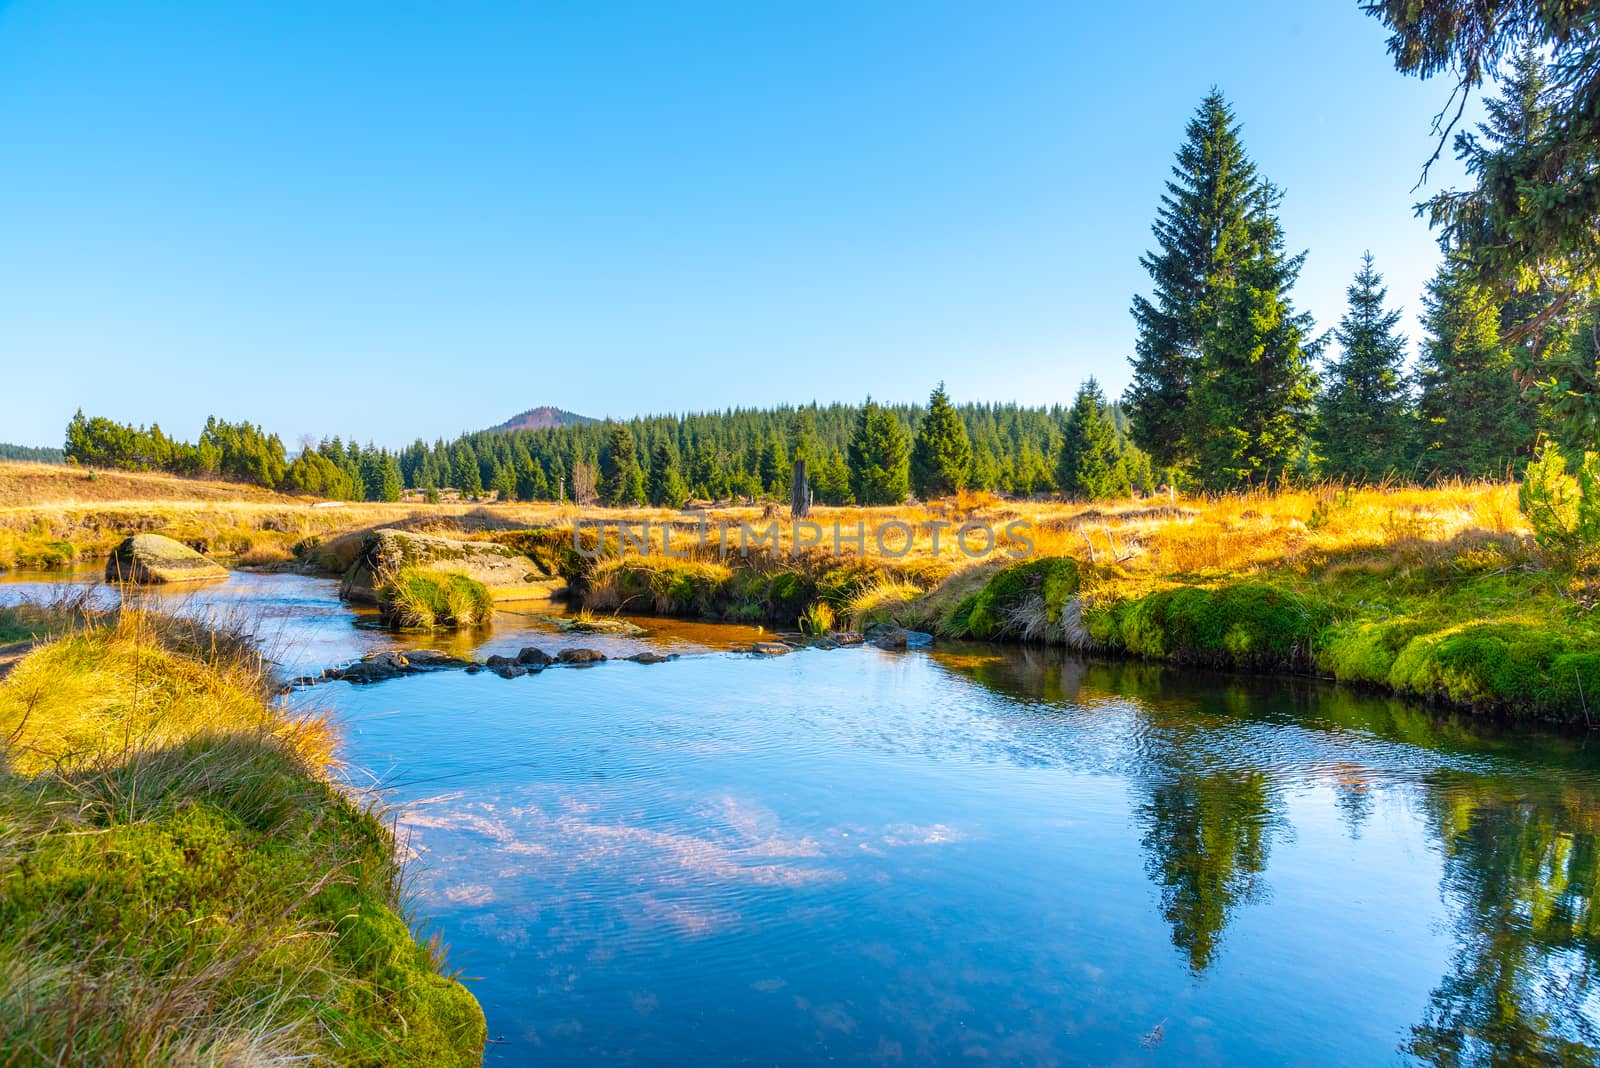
x=1363, y=413
x=1202, y=231
x=666, y=488
x=773, y=467
x=1090, y=466
x=879, y=457
x=1253, y=397
x=1222, y=381
x=1471, y=417
x=621, y=481
x=941, y=457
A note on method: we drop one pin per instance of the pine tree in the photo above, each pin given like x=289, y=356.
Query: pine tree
x=1222, y=380
x=621, y=481
x=774, y=467
x=666, y=489
x=941, y=457
x=1256, y=388
x=1090, y=463
x=503, y=482
x=1472, y=420
x=390, y=481
x=1203, y=229
x=879, y=457
x=1363, y=414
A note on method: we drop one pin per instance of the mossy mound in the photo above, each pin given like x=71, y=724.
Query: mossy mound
x=504, y=572
x=1026, y=599
x=203, y=896
x=431, y=600
x=1244, y=624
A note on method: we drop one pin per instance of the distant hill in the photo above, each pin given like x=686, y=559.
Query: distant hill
x=544, y=418
x=41, y=454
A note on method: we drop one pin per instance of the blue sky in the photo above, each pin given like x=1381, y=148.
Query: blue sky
x=394, y=219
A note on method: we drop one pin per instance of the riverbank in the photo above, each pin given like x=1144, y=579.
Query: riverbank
x=180, y=882
x=1432, y=592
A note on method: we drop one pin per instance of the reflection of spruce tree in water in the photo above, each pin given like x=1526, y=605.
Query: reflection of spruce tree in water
x=1206, y=839
x=1520, y=877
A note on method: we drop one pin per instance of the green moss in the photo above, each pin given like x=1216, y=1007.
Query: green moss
x=987, y=613
x=1245, y=624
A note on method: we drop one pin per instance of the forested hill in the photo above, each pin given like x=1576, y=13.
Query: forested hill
x=544, y=417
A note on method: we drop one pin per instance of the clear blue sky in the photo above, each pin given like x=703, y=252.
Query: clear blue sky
x=397, y=219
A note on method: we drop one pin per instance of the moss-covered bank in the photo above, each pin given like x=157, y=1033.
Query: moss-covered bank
x=1471, y=628
x=179, y=882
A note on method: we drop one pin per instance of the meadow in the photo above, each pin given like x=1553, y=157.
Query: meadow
x=1438, y=592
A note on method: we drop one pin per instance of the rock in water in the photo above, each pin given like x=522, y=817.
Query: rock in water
x=506, y=573
x=769, y=648
x=155, y=558
x=580, y=656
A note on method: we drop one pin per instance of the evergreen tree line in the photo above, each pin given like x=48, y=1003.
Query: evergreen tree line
x=1231, y=387
x=38, y=454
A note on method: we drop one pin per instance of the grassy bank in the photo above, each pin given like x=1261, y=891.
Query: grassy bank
x=179, y=881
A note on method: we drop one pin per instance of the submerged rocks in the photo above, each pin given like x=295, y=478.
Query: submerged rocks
x=648, y=657
x=505, y=666
x=156, y=558
x=534, y=657
x=770, y=648
x=580, y=656
x=887, y=637
x=504, y=572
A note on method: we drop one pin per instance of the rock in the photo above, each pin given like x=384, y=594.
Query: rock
x=532, y=657
x=473, y=669
x=888, y=637
x=375, y=667
x=155, y=558
x=769, y=648
x=580, y=656
x=845, y=637
x=918, y=639
x=584, y=625
x=504, y=572
x=648, y=657
x=506, y=667
x=434, y=660
x=824, y=644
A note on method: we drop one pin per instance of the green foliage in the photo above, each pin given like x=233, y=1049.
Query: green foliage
x=37, y=454
x=1470, y=413
x=1045, y=584
x=879, y=457
x=1090, y=465
x=429, y=600
x=1363, y=416
x=941, y=457
x=667, y=489
x=774, y=470
x=1221, y=377
x=1242, y=624
x=1564, y=509
x=621, y=481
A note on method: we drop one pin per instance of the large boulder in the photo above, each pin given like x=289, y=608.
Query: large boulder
x=156, y=558
x=504, y=572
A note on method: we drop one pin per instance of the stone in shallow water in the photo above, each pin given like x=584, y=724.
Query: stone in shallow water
x=156, y=558
x=534, y=657
x=769, y=648
x=505, y=666
x=580, y=656
x=648, y=657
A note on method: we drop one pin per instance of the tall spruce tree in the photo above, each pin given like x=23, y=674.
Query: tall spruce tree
x=1364, y=425
x=1090, y=466
x=1222, y=382
x=1202, y=229
x=621, y=481
x=878, y=457
x=941, y=457
x=1471, y=417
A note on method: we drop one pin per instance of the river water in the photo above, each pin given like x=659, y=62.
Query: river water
x=968, y=854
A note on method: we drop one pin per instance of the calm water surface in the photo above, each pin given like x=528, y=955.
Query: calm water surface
x=970, y=854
